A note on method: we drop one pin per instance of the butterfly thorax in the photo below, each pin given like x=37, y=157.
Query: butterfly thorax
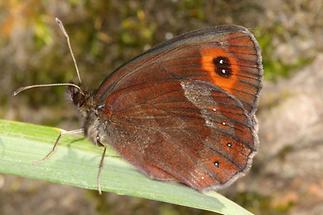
x=90, y=111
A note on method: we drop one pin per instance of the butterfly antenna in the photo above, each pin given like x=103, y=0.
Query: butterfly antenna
x=61, y=26
x=19, y=90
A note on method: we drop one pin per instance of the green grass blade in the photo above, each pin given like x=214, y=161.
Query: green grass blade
x=75, y=163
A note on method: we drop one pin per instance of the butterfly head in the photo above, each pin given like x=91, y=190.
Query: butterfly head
x=82, y=99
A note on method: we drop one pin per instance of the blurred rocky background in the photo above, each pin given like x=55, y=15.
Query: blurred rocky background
x=287, y=175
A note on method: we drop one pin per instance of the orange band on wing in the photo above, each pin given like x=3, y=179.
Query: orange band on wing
x=207, y=56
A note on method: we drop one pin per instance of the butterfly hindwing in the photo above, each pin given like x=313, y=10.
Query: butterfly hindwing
x=190, y=131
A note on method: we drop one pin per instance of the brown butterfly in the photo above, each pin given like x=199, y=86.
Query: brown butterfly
x=183, y=111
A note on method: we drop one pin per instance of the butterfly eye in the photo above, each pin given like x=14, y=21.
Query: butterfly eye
x=222, y=66
x=98, y=109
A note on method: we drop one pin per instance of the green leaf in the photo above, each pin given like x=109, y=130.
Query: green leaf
x=75, y=163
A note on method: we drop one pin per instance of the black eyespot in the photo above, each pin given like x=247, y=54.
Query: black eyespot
x=229, y=145
x=222, y=66
x=217, y=164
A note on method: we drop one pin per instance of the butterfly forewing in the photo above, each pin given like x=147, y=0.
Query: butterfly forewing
x=226, y=56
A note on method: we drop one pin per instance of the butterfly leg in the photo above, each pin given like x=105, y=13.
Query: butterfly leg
x=62, y=132
x=98, y=182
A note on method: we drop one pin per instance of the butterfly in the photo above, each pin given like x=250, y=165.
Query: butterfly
x=184, y=110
